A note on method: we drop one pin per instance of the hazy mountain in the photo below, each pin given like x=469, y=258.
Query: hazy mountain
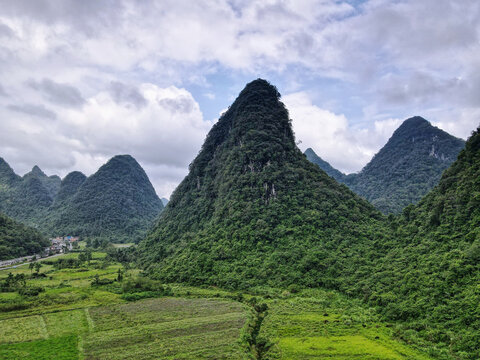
x=7, y=175
x=118, y=202
x=69, y=186
x=164, y=201
x=51, y=183
x=27, y=198
x=252, y=209
x=405, y=169
x=325, y=166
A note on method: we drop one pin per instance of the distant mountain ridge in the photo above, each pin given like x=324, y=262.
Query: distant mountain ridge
x=51, y=183
x=325, y=166
x=118, y=202
x=69, y=187
x=405, y=169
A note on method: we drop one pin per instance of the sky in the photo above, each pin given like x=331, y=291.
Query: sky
x=82, y=81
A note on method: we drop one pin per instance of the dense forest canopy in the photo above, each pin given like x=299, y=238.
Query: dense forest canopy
x=18, y=240
x=252, y=205
x=117, y=203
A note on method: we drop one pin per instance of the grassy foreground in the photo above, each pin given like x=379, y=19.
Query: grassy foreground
x=73, y=319
x=323, y=325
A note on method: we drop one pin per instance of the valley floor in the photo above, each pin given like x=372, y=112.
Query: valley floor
x=72, y=319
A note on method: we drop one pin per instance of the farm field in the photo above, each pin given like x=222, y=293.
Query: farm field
x=64, y=289
x=165, y=327
x=73, y=319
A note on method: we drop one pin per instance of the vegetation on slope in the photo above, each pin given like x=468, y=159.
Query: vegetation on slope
x=69, y=187
x=320, y=324
x=253, y=209
x=26, y=199
x=18, y=240
x=325, y=166
x=429, y=277
x=51, y=183
x=118, y=203
x=405, y=169
x=82, y=313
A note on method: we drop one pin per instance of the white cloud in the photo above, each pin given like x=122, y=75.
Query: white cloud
x=396, y=58
x=166, y=133
x=332, y=137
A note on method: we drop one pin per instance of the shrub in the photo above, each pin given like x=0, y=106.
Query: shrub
x=31, y=290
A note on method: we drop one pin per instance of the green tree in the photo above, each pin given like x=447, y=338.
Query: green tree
x=38, y=266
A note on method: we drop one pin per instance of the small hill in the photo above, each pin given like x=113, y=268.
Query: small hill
x=253, y=209
x=118, y=202
x=18, y=240
x=405, y=169
x=69, y=187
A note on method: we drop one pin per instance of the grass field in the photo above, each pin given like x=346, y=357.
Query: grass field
x=72, y=319
x=323, y=325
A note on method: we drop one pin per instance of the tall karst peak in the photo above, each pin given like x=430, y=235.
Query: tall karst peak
x=74, y=176
x=414, y=121
x=418, y=130
x=408, y=166
x=249, y=193
x=50, y=183
x=257, y=112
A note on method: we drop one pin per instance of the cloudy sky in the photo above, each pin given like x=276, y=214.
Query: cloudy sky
x=82, y=81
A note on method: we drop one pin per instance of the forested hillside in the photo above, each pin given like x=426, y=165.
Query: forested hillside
x=253, y=210
x=51, y=183
x=69, y=187
x=117, y=203
x=18, y=240
x=429, y=277
x=405, y=169
x=26, y=199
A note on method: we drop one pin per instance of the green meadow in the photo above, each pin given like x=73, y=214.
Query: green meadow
x=325, y=325
x=83, y=313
